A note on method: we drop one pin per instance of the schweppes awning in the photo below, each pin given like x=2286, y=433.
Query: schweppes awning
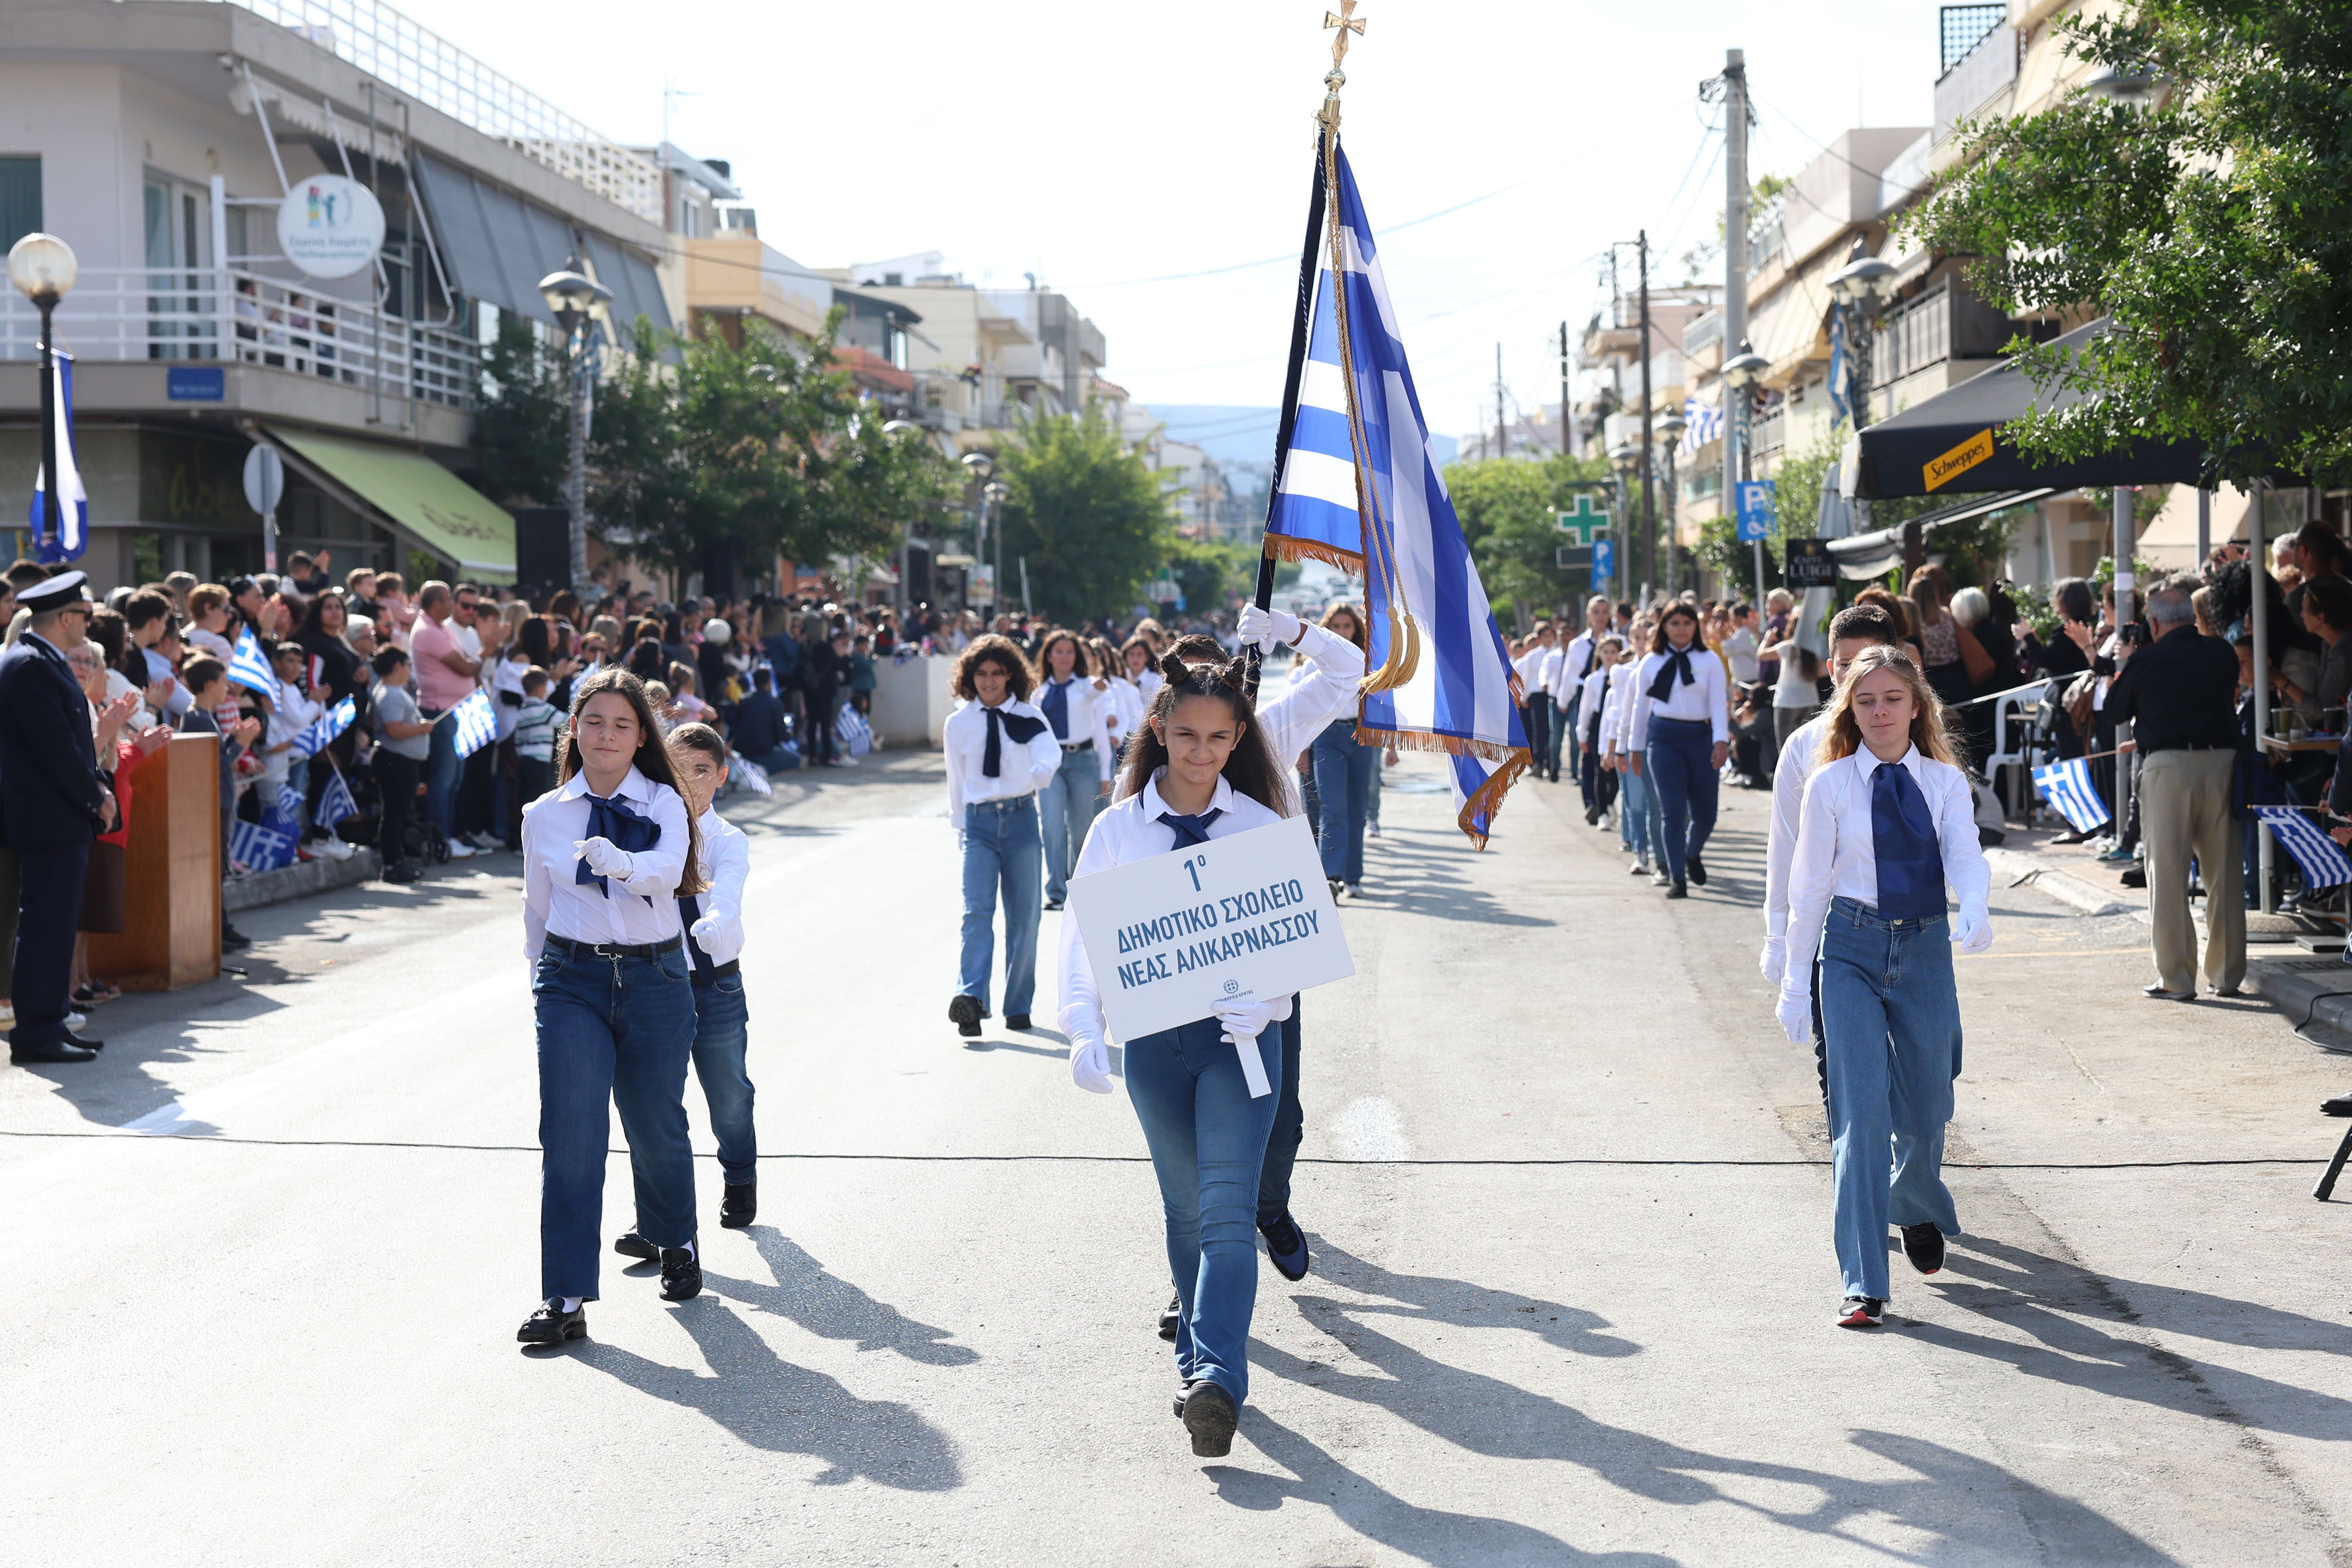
x=1955, y=444
x=438, y=511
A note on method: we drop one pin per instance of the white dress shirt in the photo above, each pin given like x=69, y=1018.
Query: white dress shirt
x=1578, y=660
x=1739, y=650
x=1617, y=721
x=642, y=910
x=1707, y=700
x=1089, y=715
x=1592, y=702
x=1126, y=705
x=1022, y=767
x=1292, y=721
x=1548, y=672
x=726, y=864
x=1836, y=854
x=1798, y=754
x=1125, y=833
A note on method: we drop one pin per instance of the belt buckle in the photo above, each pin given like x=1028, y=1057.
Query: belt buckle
x=609, y=949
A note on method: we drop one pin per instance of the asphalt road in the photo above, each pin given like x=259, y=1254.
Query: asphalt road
x=1565, y=1184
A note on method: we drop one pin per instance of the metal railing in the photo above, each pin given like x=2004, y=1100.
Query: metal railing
x=215, y=314
x=434, y=71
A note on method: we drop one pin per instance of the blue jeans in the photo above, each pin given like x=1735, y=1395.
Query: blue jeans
x=611, y=1031
x=1637, y=816
x=1681, y=766
x=1891, y=1023
x=1289, y=1124
x=443, y=770
x=1000, y=851
x=722, y=1026
x=784, y=759
x=1071, y=797
x=1567, y=739
x=1208, y=1140
x=1343, y=780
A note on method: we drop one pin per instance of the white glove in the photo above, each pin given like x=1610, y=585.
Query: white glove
x=1267, y=627
x=1972, y=929
x=706, y=928
x=603, y=858
x=1090, y=1065
x=1774, y=959
x=1796, y=1014
x=1245, y=1021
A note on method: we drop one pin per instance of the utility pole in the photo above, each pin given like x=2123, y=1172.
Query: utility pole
x=1567, y=446
x=1649, y=493
x=1502, y=427
x=1735, y=270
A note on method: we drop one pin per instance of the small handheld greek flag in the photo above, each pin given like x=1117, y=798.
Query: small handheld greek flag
x=321, y=735
x=2066, y=786
x=262, y=849
x=749, y=776
x=250, y=669
x=335, y=802
x=2324, y=863
x=476, y=723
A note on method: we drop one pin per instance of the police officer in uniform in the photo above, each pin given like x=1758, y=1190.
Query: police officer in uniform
x=53, y=804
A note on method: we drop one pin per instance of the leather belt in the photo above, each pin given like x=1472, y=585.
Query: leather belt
x=615, y=949
x=718, y=972
x=1077, y=745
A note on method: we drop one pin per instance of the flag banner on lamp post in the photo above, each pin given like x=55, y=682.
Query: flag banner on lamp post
x=73, y=501
x=1360, y=490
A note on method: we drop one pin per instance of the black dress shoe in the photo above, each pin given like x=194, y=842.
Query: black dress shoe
x=1016, y=1020
x=551, y=1325
x=1679, y=890
x=1210, y=1415
x=1697, y=871
x=232, y=939
x=963, y=1012
x=1285, y=1246
x=681, y=1274
x=1172, y=1319
x=2340, y=1106
x=632, y=1244
x=1923, y=1245
x=65, y=1050
x=741, y=1205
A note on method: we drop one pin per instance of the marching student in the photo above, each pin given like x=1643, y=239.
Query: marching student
x=1577, y=662
x=1682, y=715
x=1123, y=702
x=1637, y=814
x=1345, y=770
x=1068, y=697
x=714, y=945
x=1000, y=751
x=1854, y=628
x=1204, y=1092
x=1590, y=705
x=1542, y=647
x=1888, y=824
x=606, y=854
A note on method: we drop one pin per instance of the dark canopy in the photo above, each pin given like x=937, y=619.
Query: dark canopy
x=1952, y=444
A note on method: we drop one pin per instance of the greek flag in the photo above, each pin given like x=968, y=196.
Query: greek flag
x=2066, y=787
x=2324, y=863
x=321, y=735
x=335, y=802
x=250, y=669
x=262, y=849
x=1838, y=408
x=73, y=501
x=1702, y=422
x=748, y=775
x=476, y=723
x=1360, y=490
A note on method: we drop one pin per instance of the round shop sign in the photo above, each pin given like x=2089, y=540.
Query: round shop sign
x=329, y=227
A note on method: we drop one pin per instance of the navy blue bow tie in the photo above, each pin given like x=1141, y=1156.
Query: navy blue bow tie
x=1677, y=664
x=1910, y=858
x=1191, y=830
x=619, y=826
x=1022, y=730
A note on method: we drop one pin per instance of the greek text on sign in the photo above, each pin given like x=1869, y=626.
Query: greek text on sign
x=1939, y=471
x=1174, y=938
x=329, y=227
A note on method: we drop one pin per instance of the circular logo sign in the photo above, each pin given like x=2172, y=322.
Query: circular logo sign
x=329, y=227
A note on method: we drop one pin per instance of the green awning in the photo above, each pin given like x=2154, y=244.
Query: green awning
x=415, y=495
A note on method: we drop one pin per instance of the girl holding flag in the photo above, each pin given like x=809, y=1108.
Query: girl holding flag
x=1887, y=826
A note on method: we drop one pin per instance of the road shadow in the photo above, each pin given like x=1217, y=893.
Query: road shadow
x=1438, y=1299
x=760, y=1399
x=1432, y=882
x=146, y=1030
x=831, y=1308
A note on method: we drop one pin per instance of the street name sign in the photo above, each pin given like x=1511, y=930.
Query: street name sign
x=1242, y=918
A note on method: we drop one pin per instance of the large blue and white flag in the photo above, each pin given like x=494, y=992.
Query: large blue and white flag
x=476, y=723
x=2066, y=786
x=321, y=735
x=260, y=848
x=73, y=501
x=249, y=668
x=2323, y=863
x=335, y=802
x=1360, y=489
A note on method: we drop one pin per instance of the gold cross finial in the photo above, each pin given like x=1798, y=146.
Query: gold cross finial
x=1348, y=21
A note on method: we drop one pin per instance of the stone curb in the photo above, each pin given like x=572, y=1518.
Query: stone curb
x=2011, y=866
x=299, y=880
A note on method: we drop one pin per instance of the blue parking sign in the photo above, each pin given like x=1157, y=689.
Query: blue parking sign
x=1756, y=509
x=1604, y=560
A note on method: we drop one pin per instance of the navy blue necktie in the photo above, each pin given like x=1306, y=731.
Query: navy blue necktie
x=1191, y=830
x=1677, y=664
x=619, y=826
x=1910, y=858
x=1055, y=706
x=689, y=909
x=1023, y=730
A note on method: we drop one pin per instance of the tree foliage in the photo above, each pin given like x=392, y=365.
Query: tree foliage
x=520, y=449
x=1093, y=522
x=2214, y=229
x=1509, y=509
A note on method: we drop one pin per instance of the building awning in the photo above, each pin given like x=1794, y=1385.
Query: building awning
x=498, y=245
x=414, y=496
x=1866, y=556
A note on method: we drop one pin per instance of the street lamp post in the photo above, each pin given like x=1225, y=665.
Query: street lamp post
x=894, y=428
x=1741, y=373
x=43, y=268
x=1671, y=425
x=993, y=496
x=1858, y=288
x=579, y=303
x=980, y=465
x=1625, y=458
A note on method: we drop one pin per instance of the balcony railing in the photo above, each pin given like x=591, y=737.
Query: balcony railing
x=216, y=314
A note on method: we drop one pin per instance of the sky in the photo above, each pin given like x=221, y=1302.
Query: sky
x=1105, y=147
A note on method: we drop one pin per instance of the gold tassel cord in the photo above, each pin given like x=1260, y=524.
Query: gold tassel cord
x=1489, y=798
x=1282, y=547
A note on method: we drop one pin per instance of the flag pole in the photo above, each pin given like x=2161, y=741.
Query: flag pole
x=1287, y=423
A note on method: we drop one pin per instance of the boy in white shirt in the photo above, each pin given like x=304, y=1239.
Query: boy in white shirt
x=294, y=711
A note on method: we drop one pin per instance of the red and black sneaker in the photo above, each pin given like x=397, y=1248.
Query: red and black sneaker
x=1923, y=1245
x=1862, y=1312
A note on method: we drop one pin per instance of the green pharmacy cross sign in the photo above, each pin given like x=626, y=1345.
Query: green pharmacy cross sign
x=1582, y=520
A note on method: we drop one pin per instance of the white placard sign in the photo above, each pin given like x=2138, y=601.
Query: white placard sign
x=1174, y=938
x=329, y=227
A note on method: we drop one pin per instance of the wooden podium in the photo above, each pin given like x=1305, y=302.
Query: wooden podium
x=171, y=936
